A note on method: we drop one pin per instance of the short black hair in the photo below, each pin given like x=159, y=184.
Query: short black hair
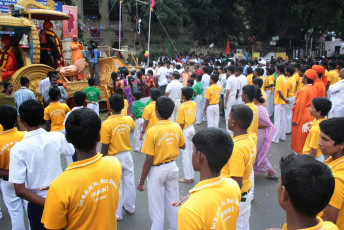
x=137, y=95
x=322, y=105
x=214, y=77
x=91, y=81
x=217, y=146
x=270, y=71
x=79, y=98
x=193, y=76
x=333, y=64
x=250, y=91
x=231, y=69
x=239, y=68
x=260, y=71
x=280, y=67
x=54, y=92
x=190, y=81
x=334, y=129
x=119, y=91
x=31, y=112
x=164, y=106
x=24, y=81
x=116, y=102
x=310, y=183
x=187, y=92
x=51, y=76
x=249, y=70
x=155, y=93
x=150, y=72
x=176, y=75
x=199, y=77
x=290, y=69
x=8, y=116
x=258, y=81
x=82, y=129
x=243, y=115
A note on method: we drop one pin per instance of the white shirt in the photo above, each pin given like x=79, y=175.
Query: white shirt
x=337, y=93
x=162, y=72
x=242, y=81
x=205, y=81
x=174, y=90
x=150, y=68
x=232, y=86
x=75, y=108
x=36, y=161
x=43, y=85
x=222, y=82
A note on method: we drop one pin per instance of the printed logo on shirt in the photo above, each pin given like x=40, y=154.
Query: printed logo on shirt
x=190, y=112
x=168, y=139
x=57, y=113
x=7, y=147
x=121, y=128
x=91, y=94
x=224, y=211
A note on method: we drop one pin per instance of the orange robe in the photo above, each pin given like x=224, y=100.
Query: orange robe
x=76, y=48
x=301, y=115
x=320, y=88
x=11, y=66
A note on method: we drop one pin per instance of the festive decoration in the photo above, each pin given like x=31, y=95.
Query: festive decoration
x=146, y=54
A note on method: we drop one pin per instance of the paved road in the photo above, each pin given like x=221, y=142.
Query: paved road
x=265, y=212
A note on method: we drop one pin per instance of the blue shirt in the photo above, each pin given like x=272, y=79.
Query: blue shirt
x=23, y=94
x=96, y=56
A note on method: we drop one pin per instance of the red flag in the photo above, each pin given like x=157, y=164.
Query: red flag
x=228, y=49
x=153, y=3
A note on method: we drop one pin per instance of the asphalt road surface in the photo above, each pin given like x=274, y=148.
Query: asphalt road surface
x=265, y=211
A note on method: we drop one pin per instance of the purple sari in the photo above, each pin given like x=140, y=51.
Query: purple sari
x=264, y=138
x=129, y=95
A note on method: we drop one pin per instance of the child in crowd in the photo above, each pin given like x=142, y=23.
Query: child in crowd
x=114, y=136
x=211, y=107
x=137, y=112
x=198, y=91
x=319, y=109
x=79, y=101
x=85, y=195
x=186, y=118
x=258, y=82
x=55, y=112
x=291, y=91
x=93, y=96
x=190, y=83
x=161, y=146
x=119, y=91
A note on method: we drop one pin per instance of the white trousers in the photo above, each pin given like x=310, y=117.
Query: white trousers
x=336, y=111
x=243, y=222
x=163, y=189
x=15, y=205
x=137, y=133
x=94, y=107
x=269, y=102
x=230, y=103
x=199, y=111
x=175, y=111
x=189, y=133
x=252, y=181
x=213, y=115
x=204, y=118
x=126, y=198
x=289, y=113
x=279, y=123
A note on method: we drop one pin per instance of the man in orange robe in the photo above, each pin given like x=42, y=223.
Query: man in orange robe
x=301, y=113
x=8, y=63
x=76, y=47
x=319, y=81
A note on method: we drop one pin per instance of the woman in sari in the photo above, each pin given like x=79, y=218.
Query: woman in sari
x=266, y=131
x=140, y=83
x=7, y=96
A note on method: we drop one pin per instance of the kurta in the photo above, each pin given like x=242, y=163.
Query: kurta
x=301, y=115
x=320, y=88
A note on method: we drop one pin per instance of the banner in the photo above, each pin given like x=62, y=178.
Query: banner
x=4, y=5
x=70, y=26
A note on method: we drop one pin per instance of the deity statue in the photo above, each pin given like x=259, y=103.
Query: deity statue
x=8, y=63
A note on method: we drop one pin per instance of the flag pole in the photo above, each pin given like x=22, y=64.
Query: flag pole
x=120, y=25
x=149, y=32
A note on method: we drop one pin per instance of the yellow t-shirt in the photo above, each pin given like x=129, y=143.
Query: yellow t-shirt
x=163, y=141
x=281, y=85
x=8, y=139
x=291, y=86
x=332, y=77
x=249, y=79
x=264, y=95
x=321, y=225
x=263, y=79
x=337, y=199
x=115, y=132
x=149, y=115
x=213, y=94
x=84, y=196
x=124, y=111
x=270, y=80
x=187, y=113
x=298, y=79
x=219, y=212
x=242, y=160
x=253, y=129
x=1, y=128
x=313, y=138
x=56, y=113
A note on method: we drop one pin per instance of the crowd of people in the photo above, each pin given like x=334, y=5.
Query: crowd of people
x=261, y=101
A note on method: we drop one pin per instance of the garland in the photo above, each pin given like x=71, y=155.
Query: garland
x=4, y=56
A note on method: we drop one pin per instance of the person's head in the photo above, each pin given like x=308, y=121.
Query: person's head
x=230, y=70
x=239, y=70
x=212, y=148
x=82, y=129
x=199, y=78
x=150, y=64
x=137, y=95
x=248, y=93
x=333, y=65
x=125, y=72
x=270, y=71
x=214, y=78
x=257, y=82
x=75, y=38
x=190, y=82
x=259, y=71
x=290, y=71
x=54, y=93
x=331, y=141
x=249, y=70
x=187, y=93
x=24, y=81
x=31, y=113
x=320, y=107
x=116, y=103
x=240, y=117
x=119, y=91
x=79, y=98
x=114, y=76
x=280, y=69
x=259, y=99
x=53, y=79
x=150, y=73
x=175, y=75
x=8, y=117
x=8, y=88
x=91, y=81
x=306, y=185
x=155, y=94
x=164, y=107
x=139, y=74
x=309, y=76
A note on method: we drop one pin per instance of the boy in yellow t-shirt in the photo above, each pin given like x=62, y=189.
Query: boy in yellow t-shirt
x=249, y=75
x=214, y=196
x=8, y=138
x=248, y=94
x=85, y=195
x=212, y=95
x=114, y=136
x=305, y=188
x=258, y=73
x=258, y=82
x=291, y=88
x=186, y=118
x=161, y=146
x=55, y=112
x=240, y=165
x=124, y=111
x=319, y=109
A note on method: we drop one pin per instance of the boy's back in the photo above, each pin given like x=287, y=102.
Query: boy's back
x=253, y=129
x=149, y=115
x=138, y=108
x=187, y=113
x=8, y=139
x=56, y=113
x=92, y=93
